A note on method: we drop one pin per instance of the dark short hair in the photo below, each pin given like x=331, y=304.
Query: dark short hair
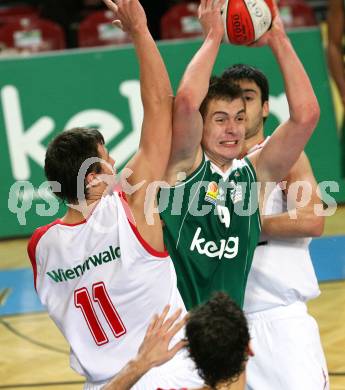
x=240, y=72
x=220, y=90
x=218, y=339
x=65, y=155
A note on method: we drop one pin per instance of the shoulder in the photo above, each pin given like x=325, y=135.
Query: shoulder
x=35, y=239
x=195, y=174
x=244, y=167
x=37, y=236
x=184, y=168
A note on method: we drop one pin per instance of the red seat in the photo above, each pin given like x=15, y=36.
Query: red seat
x=33, y=35
x=296, y=13
x=12, y=13
x=181, y=21
x=96, y=30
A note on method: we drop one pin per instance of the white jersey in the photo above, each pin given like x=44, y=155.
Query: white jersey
x=101, y=284
x=282, y=272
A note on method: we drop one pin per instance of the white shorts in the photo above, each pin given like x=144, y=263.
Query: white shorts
x=288, y=351
x=178, y=372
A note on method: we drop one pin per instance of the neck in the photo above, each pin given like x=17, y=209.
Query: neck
x=222, y=164
x=250, y=142
x=240, y=384
x=78, y=212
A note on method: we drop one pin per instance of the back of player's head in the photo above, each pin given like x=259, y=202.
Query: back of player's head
x=240, y=72
x=220, y=90
x=65, y=155
x=218, y=339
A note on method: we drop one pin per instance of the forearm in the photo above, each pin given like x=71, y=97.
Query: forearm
x=302, y=101
x=195, y=82
x=304, y=224
x=289, y=139
x=128, y=376
x=154, y=80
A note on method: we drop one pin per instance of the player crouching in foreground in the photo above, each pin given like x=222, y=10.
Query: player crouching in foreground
x=218, y=342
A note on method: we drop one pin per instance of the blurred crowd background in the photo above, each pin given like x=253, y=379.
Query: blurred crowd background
x=41, y=25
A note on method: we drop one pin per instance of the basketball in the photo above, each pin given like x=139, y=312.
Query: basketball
x=245, y=21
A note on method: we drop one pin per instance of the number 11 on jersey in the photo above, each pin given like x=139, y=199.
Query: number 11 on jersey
x=83, y=301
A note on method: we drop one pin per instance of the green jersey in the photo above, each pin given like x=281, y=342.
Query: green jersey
x=211, y=228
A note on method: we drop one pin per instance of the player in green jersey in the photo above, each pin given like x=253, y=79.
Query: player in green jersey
x=212, y=219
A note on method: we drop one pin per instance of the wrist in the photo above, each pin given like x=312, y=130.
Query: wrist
x=139, y=30
x=141, y=365
x=279, y=41
x=215, y=33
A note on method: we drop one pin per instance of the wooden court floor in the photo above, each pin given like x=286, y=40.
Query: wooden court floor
x=35, y=356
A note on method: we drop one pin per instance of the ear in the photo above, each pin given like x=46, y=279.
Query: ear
x=91, y=179
x=250, y=350
x=265, y=109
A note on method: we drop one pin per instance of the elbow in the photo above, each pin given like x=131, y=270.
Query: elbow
x=316, y=226
x=314, y=114
x=186, y=102
x=309, y=116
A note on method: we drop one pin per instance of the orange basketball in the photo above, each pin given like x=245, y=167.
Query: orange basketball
x=246, y=21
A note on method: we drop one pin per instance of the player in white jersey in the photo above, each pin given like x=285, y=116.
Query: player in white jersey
x=102, y=270
x=285, y=338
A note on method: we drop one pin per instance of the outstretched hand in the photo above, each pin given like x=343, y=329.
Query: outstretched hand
x=129, y=15
x=210, y=17
x=154, y=350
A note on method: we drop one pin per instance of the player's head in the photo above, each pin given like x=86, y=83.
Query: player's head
x=223, y=112
x=65, y=157
x=218, y=340
x=254, y=85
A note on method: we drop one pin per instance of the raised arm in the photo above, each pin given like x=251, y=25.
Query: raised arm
x=187, y=120
x=156, y=94
x=336, y=26
x=301, y=220
x=149, y=164
x=288, y=141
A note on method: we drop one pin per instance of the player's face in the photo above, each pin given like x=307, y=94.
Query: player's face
x=224, y=129
x=255, y=110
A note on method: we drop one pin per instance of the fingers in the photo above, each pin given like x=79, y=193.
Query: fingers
x=209, y=4
x=171, y=320
x=221, y=4
x=161, y=318
x=202, y=4
x=176, y=328
x=152, y=323
x=168, y=327
x=181, y=344
x=117, y=23
x=111, y=5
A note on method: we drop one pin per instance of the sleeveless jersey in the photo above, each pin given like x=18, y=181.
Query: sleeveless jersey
x=211, y=228
x=101, y=284
x=282, y=272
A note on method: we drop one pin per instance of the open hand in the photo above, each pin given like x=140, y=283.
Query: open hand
x=129, y=15
x=154, y=350
x=210, y=17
